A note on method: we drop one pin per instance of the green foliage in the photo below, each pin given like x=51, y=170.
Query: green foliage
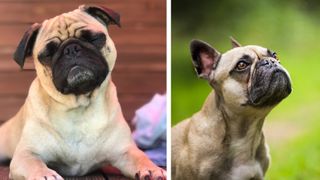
x=291, y=28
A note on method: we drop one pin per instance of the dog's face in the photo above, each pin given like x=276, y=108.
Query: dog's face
x=245, y=76
x=73, y=52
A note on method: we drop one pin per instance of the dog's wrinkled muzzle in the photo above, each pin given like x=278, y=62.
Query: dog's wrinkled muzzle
x=270, y=83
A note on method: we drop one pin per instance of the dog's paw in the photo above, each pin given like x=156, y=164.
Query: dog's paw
x=151, y=174
x=45, y=174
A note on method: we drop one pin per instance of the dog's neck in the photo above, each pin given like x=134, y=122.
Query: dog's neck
x=243, y=131
x=69, y=102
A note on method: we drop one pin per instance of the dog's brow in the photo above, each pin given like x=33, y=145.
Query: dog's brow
x=54, y=37
x=246, y=56
x=256, y=54
x=77, y=29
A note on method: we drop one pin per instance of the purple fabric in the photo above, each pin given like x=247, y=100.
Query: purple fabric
x=150, y=133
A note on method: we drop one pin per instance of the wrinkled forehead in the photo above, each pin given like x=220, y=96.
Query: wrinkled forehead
x=258, y=50
x=251, y=50
x=69, y=25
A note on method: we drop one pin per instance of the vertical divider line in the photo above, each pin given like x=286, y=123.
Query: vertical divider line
x=168, y=72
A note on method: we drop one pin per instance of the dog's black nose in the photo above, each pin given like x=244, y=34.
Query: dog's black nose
x=72, y=50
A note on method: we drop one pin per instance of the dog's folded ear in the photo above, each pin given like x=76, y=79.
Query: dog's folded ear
x=26, y=44
x=234, y=42
x=204, y=57
x=104, y=15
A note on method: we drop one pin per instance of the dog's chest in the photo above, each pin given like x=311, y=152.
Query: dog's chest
x=247, y=171
x=78, y=159
x=82, y=136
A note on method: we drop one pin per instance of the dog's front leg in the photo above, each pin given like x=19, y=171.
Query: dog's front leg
x=27, y=165
x=135, y=163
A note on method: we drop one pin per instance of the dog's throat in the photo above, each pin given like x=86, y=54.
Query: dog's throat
x=245, y=138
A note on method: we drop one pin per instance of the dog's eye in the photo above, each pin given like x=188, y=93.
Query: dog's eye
x=242, y=65
x=44, y=54
x=98, y=39
x=45, y=57
x=48, y=52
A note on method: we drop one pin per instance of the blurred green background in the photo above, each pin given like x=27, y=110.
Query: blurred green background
x=291, y=28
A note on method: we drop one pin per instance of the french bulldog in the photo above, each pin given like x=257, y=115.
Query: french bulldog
x=224, y=140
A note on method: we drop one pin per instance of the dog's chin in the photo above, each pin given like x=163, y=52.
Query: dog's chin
x=270, y=89
x=81, y=80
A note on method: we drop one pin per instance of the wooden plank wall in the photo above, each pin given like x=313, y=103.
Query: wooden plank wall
x=140, y=69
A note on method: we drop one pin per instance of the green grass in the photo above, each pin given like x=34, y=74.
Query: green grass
x=298, y=159
x=295, y=36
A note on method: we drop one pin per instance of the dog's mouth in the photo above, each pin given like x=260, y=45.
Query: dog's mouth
x=79, y=75
x=80, y=78
x=269, y=86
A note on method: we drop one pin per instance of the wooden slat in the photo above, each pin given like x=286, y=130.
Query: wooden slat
x=16, y=84
x=140, y=82
x=4, y=172
x=28, y=12
x=9, y=106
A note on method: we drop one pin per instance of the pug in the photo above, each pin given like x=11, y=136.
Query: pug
x=224, y=140
x=71, y=122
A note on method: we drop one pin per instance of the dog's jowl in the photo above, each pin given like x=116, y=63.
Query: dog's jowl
x=71, y=122
x=224, y=140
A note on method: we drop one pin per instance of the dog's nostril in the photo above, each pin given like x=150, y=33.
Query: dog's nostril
x=66, y=51
x=77, y=48
x=72, y=50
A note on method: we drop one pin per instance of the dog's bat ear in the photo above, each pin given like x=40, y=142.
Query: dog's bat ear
x=26, y=44
x=234, y=42
x=204, y=57
x=104, y=15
